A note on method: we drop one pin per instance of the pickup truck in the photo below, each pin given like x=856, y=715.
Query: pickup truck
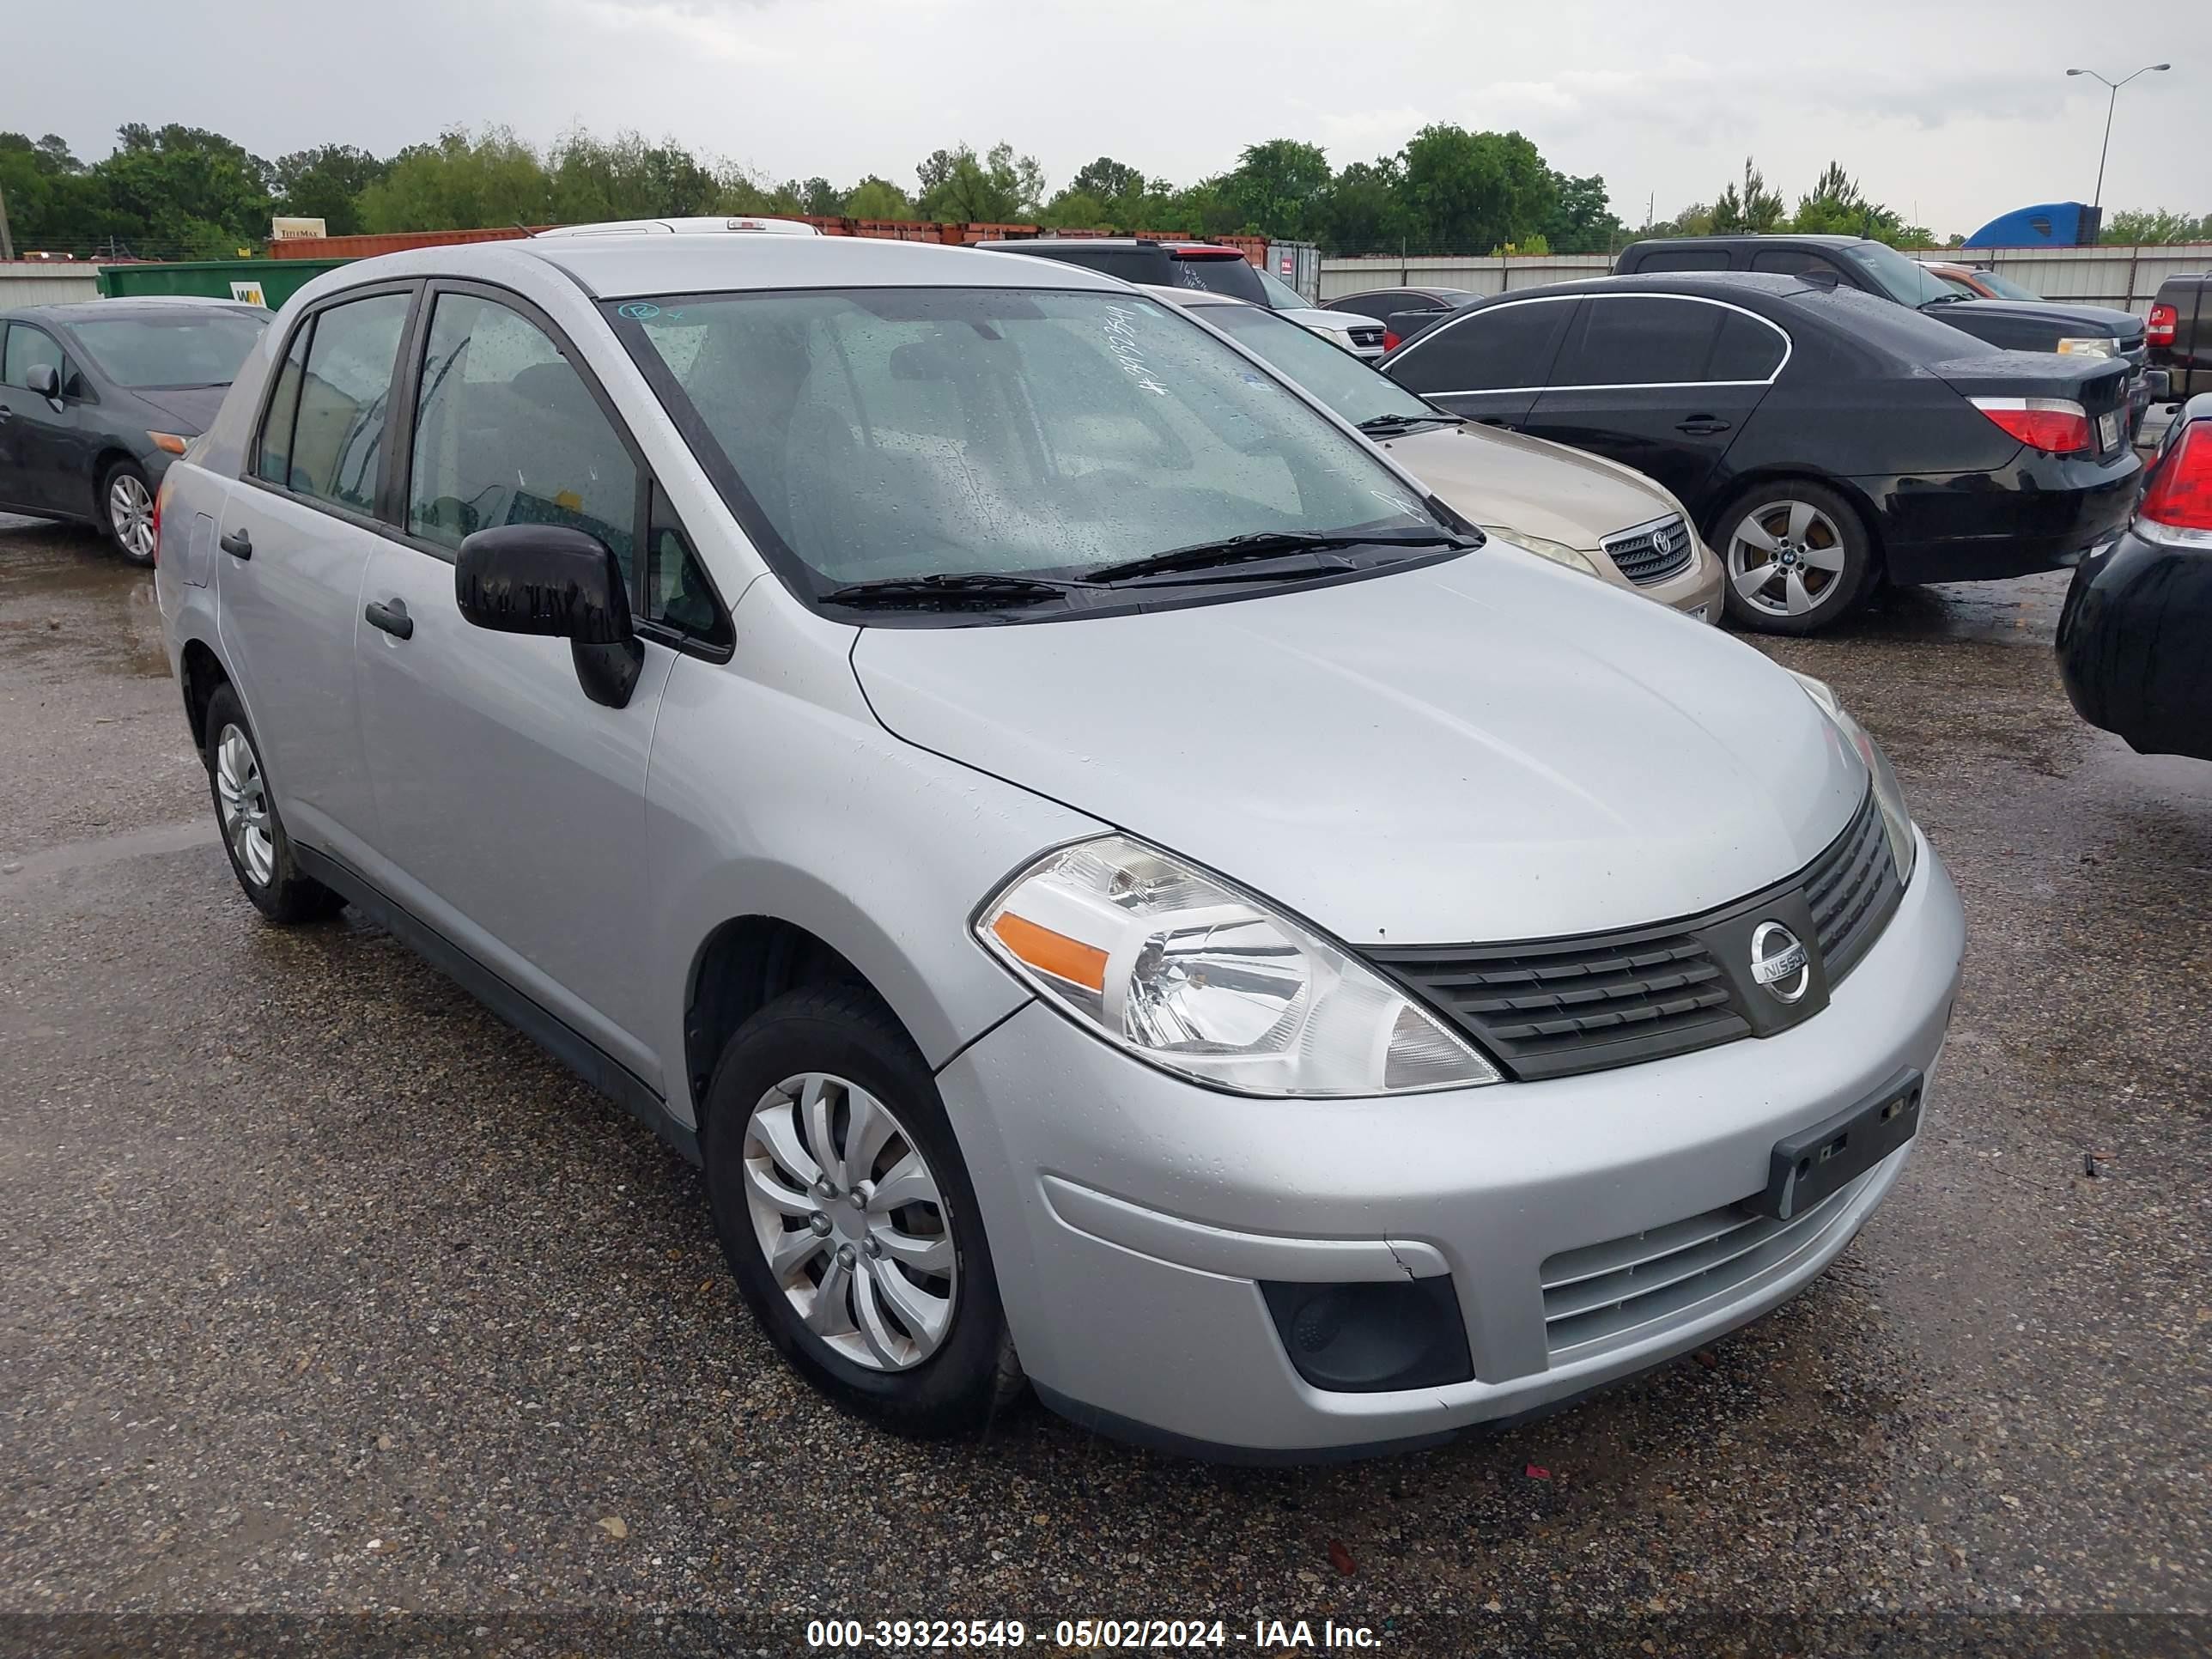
x=1878, y=269
x=2180, y=335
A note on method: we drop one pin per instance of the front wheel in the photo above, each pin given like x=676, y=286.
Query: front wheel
x=126, y=510
x=1799, y=558
x=845, y=1213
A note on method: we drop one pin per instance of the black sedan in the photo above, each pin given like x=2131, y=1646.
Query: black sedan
x=1824, y=440
x=95, y=399
x=2135, y=641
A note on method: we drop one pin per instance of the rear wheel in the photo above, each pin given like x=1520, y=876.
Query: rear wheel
x=845, y=1213
x=126, y=510
x=252, y=834
x=1799, y=558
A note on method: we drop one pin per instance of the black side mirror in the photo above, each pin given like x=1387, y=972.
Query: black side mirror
x=562, y=583
x=45, y=381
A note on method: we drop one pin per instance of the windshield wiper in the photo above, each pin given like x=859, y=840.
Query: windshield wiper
x=1944, y=299
x=977, y=587
x=1388, y=425
x=1261, y=544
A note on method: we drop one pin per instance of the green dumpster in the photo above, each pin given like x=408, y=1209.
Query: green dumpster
x=271, y=281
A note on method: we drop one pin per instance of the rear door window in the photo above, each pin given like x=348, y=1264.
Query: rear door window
x=1497, y=349
x=1748, y=349
x=344, y=400
x=1795, y=261
x=507, y=432
x=1639, y=339
x=1683, y=259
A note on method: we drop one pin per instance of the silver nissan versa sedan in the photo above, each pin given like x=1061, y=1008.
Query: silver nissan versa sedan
x=1115, y=883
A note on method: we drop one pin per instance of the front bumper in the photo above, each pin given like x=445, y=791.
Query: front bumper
x=1695, y=589
x=1132, y=1215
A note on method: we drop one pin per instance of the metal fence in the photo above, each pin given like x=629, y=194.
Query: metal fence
x=29, y=283
x=2125, y=277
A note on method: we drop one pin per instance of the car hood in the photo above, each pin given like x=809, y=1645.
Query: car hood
x=2007, y=322
x=1483, y=749
x=191, y=407
x=1528, y=484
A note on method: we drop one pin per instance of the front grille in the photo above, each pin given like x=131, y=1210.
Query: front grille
x=1545, y=1008
x=1365, y=337
x=1607, y=1296
x=1851, y=889
x=1581, y=1003
x=1652, y=552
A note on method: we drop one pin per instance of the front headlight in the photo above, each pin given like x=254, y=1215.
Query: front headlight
x=1544, y=548
x=2088, y=345
x=1196, y=977
x=1888, y=795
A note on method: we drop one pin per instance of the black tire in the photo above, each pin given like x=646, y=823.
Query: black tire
x=284, y=896
x=846, y=1031
x=128, y=537
x=1835, y=527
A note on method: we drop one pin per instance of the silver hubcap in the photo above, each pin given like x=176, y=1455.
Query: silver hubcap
x=850, y=1221
x=1786, y=558
x=245, y=801
x=130, y=510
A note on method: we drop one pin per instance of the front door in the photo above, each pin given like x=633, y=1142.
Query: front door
x=294, y=538
x=1660, y=382
x=511, y=807
x=1487, y=364
x=46, y=465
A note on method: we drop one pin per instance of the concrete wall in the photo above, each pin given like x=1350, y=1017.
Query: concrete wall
x=33, y=283
x=2125, y=277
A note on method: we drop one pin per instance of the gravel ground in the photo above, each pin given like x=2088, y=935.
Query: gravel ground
x=327, y=1296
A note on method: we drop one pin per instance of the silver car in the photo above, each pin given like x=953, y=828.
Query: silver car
x=1115, y=883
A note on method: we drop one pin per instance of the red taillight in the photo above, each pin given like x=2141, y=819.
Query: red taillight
x=2159, y=330
x=1389, y=341
x=2048, y=423
x=2180, y=492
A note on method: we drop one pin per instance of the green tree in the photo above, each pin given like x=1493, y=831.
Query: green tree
x=53, y=201
x=623, y=177
x=1076, y=210
x=461, y=183
x=1107, y=180
x=999, y=188
x=878, y=198
x=1582, y=219
x=326, y=183
x=1279, y=189
x=193, y=191
x=1695, y=220
x=2148, y=226
x=1754, y=208
x=1364, y=211
x=1468, y=192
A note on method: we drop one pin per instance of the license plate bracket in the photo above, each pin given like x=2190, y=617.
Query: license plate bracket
x=2108, y=431
x=1815, y=1163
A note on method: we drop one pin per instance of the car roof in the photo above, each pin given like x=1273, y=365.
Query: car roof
x=1810, y=239
x=1709, y=284
x=710, y=226
x=626, y=267
x=66, y=312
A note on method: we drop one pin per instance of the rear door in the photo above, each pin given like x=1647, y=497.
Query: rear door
x=1487, y=364
x=1660, y=382
x=296, y=536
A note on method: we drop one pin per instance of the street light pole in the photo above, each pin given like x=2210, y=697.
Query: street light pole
x=2098, y=200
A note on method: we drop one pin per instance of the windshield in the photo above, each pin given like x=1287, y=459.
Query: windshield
x=1895, y=276
x=147, y=352
x=1229, y=273
x=2004, y=288
x=1330, y=373
x=894, y=433
x=1280, y=295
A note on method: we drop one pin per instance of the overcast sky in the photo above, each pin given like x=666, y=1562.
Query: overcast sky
x=1949, y=112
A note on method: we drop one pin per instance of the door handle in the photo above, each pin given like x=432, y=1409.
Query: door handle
x=238, y=544
x=1701, y=426
x=392, y=616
